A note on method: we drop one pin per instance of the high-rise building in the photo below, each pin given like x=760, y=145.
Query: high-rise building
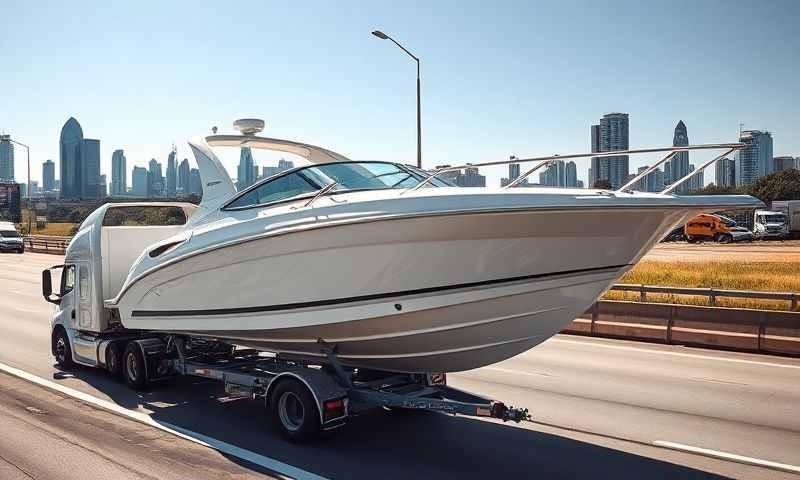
x=571, y=175
x=754, y=161
x=103, y=186
x=609, y=136
x=172, y=173
x=554, y=175
x=155, y=179
x=283, y=165
x=6, y=160
x=139, y=182
x=183, y=177
x=470, y=177
x=80, y=163
x=245, y=174
x=49, y=176
x=725, y=175
x=678, y=167
x=119, y=173
x=195, y=182
x=784, y=163
x=696, y=182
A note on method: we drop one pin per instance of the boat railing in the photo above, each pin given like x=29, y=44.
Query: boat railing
x=541, y=162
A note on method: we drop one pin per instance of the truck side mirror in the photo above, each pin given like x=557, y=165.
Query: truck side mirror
x=47, y=288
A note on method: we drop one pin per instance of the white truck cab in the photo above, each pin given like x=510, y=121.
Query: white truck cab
x=770, y=224
x=95, y=266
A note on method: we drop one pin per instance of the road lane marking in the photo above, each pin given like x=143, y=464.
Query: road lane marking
x=517, y=372
x=198, y=438
x=728, y=456
x=677, y=354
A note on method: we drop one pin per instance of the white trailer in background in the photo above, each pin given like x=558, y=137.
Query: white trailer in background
x=791, y=209
x=303, y=399
x=770, y=224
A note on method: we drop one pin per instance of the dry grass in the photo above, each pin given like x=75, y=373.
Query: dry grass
x=54, y=228
x=762, y=276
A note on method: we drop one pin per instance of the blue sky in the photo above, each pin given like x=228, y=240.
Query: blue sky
x=498, y=78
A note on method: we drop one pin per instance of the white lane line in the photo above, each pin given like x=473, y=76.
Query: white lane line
x=728, y=456
x=677, y=354
x=198, y=438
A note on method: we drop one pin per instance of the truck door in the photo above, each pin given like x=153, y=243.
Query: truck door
x=83, y=304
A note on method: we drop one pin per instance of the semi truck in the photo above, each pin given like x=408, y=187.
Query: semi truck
x=791, y=211
x=303, y=398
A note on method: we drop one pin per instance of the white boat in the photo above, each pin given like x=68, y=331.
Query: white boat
x=390, y=267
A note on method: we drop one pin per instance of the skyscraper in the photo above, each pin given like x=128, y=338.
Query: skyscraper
x=571, y=175
x=80, y=163
x=6, y=160
x=102, y=187
x=754, y=161
x=183, y=177
x=283, y=165
x=610, y=135
x=725, y=175
x=696, y=182
x=172, y=173
x=245, y=174
x=119, y=173
x=554, y=175
x=155, y=180
x=195, y=183
x=139, y=182
x=678, y=166
x=49, y=176
x=784, y=163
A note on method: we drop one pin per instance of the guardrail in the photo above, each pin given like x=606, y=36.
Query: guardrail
x=46, y=244
x=711, y=293
x=761, y=331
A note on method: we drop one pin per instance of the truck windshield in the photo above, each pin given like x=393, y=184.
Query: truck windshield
x=775, y=218
x=9, y=234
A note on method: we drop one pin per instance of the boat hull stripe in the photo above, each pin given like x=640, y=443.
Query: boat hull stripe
x=361, y=298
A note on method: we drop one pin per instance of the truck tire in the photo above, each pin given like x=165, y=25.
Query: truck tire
x=114, y=359
x=61, y=348
x=294, y=411
x=724, y=238
x=133, y=367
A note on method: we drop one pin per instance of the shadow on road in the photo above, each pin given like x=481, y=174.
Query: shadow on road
x=385, y=446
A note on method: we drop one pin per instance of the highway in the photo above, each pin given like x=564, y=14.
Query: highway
x=601, y=408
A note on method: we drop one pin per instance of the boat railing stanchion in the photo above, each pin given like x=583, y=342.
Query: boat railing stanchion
x=698, y=170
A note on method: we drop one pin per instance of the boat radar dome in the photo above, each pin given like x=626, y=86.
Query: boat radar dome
x=249, y=126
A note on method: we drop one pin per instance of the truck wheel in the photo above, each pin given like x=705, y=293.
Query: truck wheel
x=133, y=367
x=725, y=238
x=61, y=349
x=295, y=412
x=114, y=359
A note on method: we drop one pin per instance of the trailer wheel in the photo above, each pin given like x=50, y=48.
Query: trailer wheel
x=294, y=411
x=61, y=349
x=114, y=359
x=133, y=367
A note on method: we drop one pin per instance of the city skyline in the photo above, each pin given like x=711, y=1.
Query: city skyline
x=472, y=109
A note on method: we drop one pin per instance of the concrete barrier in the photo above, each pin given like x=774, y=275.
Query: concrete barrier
x=763, y=331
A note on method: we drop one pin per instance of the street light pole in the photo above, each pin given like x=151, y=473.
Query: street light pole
x=383, y=36
x=28, y=154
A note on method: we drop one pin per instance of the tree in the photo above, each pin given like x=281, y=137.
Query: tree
x=716, y=190
x=783, y=185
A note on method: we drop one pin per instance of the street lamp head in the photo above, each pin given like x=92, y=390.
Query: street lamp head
x=380, y=35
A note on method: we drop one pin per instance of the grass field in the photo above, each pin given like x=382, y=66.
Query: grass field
x=764, y=276
x=55, y=228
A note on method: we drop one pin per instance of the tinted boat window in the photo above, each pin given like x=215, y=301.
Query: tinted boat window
x=144, y=216
x=281, y=188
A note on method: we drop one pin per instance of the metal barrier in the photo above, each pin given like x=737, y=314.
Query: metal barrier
x=46, y=244
x=711, y=293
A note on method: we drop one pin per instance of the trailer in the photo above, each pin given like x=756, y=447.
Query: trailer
x=304, y=397
x=791, y=209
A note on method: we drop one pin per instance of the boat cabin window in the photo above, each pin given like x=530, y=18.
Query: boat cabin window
x=144, y=216
x=349, y=176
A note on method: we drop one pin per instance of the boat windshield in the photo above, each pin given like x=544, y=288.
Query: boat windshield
x=349, y=176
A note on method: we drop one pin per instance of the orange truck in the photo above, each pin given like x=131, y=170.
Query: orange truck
x=717, y=228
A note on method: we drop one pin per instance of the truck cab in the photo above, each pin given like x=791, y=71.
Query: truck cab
x=770, y=224
x=95, y=266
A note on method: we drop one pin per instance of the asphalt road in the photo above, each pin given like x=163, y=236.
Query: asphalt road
x=600, y=408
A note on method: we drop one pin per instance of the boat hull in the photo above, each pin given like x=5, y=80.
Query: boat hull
x=429, y=293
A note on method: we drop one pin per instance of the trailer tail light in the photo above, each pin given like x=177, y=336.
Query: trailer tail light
x=334, y=409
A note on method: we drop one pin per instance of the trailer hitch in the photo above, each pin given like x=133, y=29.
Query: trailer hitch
x=504, y=413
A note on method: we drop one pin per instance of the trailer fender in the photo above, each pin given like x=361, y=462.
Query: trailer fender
x=321, y=385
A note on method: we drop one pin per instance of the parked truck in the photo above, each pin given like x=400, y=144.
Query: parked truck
x=791, y=210
x=322, y=394
x=769, y=224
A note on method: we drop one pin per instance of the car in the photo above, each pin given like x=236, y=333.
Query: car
x=10, y=239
